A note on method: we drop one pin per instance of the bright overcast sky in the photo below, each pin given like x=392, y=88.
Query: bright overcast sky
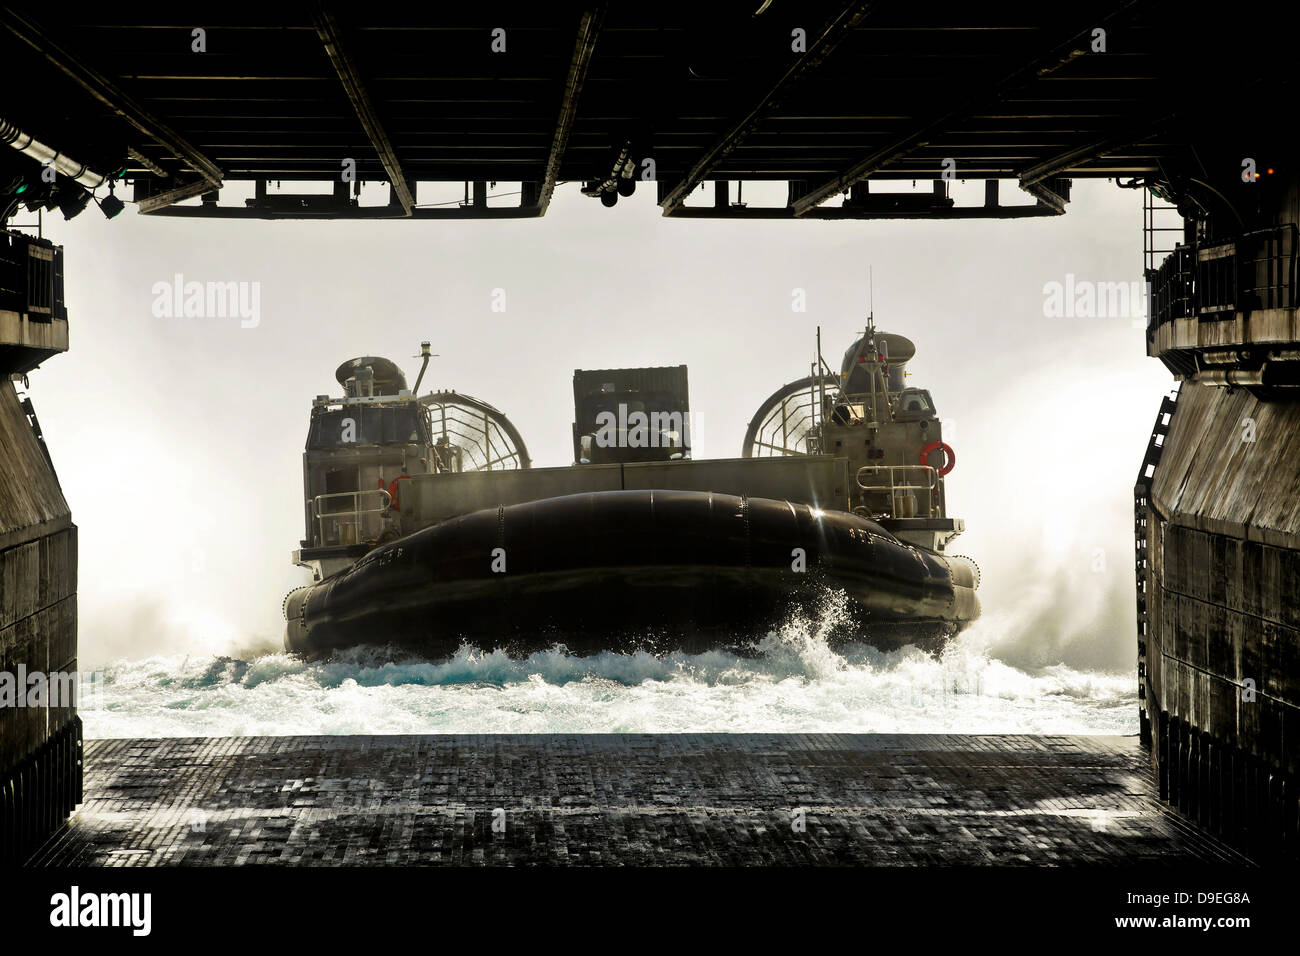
x=179, y=441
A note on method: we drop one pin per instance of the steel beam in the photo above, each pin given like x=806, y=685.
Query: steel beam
x=1061, y=162
x=1138, y=134
x=151, y=205
x=106, y=92
x=1057, y=56
x=327, y=28
x=818, y=50
x=1046, y=197
x=583, y=49
x=147, y=163
x=356, y=212
x=1033, y=211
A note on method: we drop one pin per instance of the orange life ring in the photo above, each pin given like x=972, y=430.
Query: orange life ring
x=949, y=456
x=392, y=491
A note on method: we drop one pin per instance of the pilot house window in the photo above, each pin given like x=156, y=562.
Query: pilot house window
x=373, y=426
x=915, y=402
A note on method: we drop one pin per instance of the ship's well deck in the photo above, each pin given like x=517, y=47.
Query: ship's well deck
x=873, y=799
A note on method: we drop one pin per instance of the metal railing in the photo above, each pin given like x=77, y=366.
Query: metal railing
x=1162, y=229
x=1255, y=270
x=349, y=525
x=31, y=277
x=901, y=489
x=1170, y=288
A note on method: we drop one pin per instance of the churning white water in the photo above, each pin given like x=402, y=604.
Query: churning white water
x=794, y=682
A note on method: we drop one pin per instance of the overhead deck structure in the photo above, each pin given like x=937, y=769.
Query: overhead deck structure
x=181, y=108
x=823, y=96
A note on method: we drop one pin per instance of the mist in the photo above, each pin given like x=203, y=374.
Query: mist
x=178, y=441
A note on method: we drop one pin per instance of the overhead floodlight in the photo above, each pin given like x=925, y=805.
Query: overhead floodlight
x=72, y=200
x=110, y=206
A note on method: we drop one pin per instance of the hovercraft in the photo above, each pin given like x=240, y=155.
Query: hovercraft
x=428, y=528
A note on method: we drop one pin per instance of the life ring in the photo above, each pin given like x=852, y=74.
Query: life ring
x=949, y=456
x=392, y=491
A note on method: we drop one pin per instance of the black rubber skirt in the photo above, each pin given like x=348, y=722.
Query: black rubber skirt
x=627, y=570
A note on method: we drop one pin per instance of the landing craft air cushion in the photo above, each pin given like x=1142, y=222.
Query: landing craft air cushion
x=427, y=526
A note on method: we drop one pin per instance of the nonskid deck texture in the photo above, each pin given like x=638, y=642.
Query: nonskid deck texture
x=599, y=799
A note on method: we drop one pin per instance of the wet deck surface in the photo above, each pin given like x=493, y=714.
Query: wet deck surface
x=912, y=800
